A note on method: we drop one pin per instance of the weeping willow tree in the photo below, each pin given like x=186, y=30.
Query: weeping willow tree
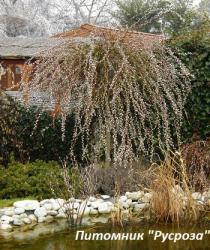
x=127, y=99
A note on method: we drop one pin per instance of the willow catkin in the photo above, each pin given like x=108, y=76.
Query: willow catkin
x=127, y=99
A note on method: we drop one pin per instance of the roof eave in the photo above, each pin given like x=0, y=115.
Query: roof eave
x=14, y=57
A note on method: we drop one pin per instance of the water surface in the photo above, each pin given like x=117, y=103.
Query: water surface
x=57, y=236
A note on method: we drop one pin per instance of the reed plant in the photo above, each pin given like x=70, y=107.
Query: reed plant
x=172, y=199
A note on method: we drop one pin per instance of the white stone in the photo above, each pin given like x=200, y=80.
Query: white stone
x=146, y=198
x=15, y=216
x=124, y=204
x=105, y=197
x=28, y=205
x=203, y=199
x=97, y=203
x=22, y=216
x=2, y=212
x=89, y=204
x=123, y=198
x=41, y=219
x=40, y=212
x=62, y=210
x=93, y=211
x=43, y=202
x=49, y=218
x=26, y=221
x=9, y=212
x=5, y=227
x=48, y=206
x=61, y=202
x=91, y=199
x=125, y=214
x=32, y=217
x=197, y=196
x=52, y=212
x=129, y=202
x=134, y=195
x=206, y=195
x=139, y=207
x=115, y=209
x=19, y=210
x=6, y=219
x=104, y=208
x=17, y=222
x=61, y=216
x=100, y=219
x=133, y=204
x=76, y=205
x=55, y=204
x=72, y=199
x=109, y=203
x=200, y=202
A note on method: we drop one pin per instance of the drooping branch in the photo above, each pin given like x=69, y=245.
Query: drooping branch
x=127, y=100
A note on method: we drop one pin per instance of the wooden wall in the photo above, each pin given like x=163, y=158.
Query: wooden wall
x=13, y=69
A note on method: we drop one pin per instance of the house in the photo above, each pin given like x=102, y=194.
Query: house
x=15, y=52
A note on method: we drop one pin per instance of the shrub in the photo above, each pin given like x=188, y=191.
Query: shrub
x=195, y=51
x=106, y=179
x=127, y=100
x=41, y=136
x=31, y=179
x=196, y=156
x=9, y=113
x=31, y=135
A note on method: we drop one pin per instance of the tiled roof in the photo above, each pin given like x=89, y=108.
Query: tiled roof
x=88, y=30
x=28, y=47
x=14, y=47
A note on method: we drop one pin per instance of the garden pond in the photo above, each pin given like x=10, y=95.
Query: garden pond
x=58, y=236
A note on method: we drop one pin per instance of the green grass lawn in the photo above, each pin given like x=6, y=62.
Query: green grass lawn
x=9, y=202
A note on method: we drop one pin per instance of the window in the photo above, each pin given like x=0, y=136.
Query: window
x=17, y=70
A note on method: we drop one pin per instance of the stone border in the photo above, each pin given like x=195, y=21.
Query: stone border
x=27, y=212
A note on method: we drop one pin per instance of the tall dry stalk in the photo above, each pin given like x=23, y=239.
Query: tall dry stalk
x=72, y=187
x=171, y=195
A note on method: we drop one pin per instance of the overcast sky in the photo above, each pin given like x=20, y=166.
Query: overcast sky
x=197, y=1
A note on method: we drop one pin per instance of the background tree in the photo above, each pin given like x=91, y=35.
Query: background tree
x=34, y=18
x=205, y=6
x=159, y=16
x=24, y=18
x=87, y=11
x=143, y=15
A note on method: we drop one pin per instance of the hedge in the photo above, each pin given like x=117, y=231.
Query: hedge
x=28, y=141
x=194, y=49
x=32, y=179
